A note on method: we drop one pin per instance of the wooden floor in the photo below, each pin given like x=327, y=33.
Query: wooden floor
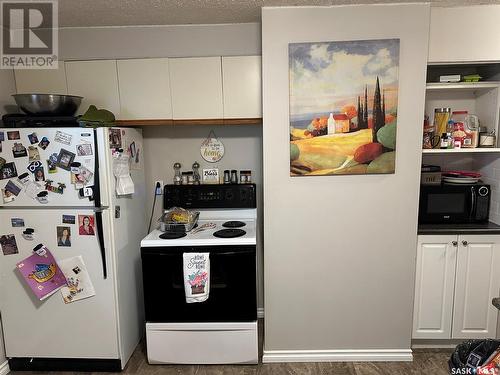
x=425, y=361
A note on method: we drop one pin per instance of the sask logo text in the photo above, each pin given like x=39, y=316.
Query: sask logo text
x=29, y=34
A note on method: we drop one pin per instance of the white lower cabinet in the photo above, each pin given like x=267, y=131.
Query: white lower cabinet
x=456, y=278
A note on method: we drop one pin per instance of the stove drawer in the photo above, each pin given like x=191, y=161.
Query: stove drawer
x=233, y=285
x=202, y=343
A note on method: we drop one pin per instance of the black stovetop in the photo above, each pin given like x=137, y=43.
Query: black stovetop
x=17, y=120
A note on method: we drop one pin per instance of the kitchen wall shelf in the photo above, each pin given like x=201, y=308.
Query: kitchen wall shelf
x=462, y=85
x=209, y=122
x=460, y=150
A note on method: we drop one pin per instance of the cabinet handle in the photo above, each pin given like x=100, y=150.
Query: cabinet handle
x=465, y=243
x=454, y=243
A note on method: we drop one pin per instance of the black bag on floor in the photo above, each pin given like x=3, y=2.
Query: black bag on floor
x=471, y=354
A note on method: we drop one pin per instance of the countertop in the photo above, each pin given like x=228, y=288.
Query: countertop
x=496, y=303
x=483, y=228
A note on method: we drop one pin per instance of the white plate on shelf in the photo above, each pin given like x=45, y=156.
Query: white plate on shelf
x=460, y=180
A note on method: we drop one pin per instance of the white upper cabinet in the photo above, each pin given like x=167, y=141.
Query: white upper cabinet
x=144, y=86
x=196, y=86
x=242, y=86
x=97, y=82
x=465, y=34
x=41, y=81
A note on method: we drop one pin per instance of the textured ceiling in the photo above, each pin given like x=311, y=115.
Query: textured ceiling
x=74, y=13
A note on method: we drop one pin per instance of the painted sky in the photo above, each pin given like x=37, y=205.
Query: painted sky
x=325, y=75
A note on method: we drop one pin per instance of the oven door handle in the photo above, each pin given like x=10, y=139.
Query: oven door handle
x=473, y=202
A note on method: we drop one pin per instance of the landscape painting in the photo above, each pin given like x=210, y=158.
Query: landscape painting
x=343, y=107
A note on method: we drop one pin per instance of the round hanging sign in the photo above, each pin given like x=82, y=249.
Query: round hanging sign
x=212, y=150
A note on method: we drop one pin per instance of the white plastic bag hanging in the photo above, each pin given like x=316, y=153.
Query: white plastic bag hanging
x=121, y=170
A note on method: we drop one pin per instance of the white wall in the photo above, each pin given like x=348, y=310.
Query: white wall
x=339, y=258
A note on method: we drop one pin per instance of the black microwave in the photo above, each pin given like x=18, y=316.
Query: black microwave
x=453, y=203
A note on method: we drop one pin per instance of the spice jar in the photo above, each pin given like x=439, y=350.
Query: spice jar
x=185, y=178
x=227, y=177
x=245, y=177
x=234, y=176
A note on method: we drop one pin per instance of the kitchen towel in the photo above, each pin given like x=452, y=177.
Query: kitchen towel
x=196, y=276
x=121, y=170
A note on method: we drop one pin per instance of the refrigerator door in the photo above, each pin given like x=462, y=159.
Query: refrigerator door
x=45, y=154
x=52, y=329
x=128, y=228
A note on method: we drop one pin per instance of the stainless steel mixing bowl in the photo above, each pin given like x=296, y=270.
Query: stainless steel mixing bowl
x=48, y=104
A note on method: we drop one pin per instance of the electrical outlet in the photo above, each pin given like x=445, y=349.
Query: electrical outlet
x=159, y=191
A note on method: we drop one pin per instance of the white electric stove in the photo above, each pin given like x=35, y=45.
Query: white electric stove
x=222, y=329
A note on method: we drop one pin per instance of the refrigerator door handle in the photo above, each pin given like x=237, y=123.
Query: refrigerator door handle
x=100, y=238
x=97, y=183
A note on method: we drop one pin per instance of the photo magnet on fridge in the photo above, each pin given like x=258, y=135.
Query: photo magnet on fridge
x=39, y=174
x=86, y=225
x=8, y=171
x=2, y=136
x=65, y=158
x=64, y=236
x=17, y=222
x=44, y=143
x=33, y=153
x=33, y=138
x=8, y=196
x=13, y=135
x=18, y=150
x=13, y=188
x=9, y=245
x=52, y=163
x=84, y=149
x=115, y=138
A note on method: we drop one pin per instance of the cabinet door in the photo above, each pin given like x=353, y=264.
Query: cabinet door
x=144, y=86
x=477, y=282
x=242, y=86
x=435, y=278
x=43, y=81
x=477, y=40
x=196, y=88
x=96, y=81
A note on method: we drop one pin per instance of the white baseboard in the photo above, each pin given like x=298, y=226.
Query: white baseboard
x=4, y=368
x=385, y=355
x=260, y=312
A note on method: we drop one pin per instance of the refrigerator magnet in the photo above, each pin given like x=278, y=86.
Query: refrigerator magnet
x=52, y=163
x=42, y=197
x=18, y=150
x=12, y=188
x=63, y=236
x=33, y=166
x=2, y=160
x=65, y=158
x=17, y=222
x=44, y=143
x=68, y=219
x=31, y=189
x=33, y=153
x=40, y=250
x=13, y=135
x=86, y=225
x=115, y=138
x=59, y=189
x=24, y=178
x=28, y=234
x=33, y=138
x=39, y=174
x=75, y=167
x=84, y=149
x=9, y=244
x=2, y=136
x=8, y=171
x=62, y=137
x=8, y=196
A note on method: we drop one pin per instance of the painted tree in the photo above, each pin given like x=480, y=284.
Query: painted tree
x=360, y=115
x=377, y=115
x=365, y=112
x=383, y=105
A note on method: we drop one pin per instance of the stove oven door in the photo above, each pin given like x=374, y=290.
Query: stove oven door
x=233, y=295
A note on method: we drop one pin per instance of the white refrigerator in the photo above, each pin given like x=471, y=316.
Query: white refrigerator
x=76, y=169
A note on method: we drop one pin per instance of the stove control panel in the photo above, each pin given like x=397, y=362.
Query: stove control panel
x=209, y=196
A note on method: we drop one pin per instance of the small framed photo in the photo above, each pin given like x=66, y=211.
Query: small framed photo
x=86, y=225
x=65, y=158
x=84, y=149
x=44, y=143
x=39, y=174
x=8, y=171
